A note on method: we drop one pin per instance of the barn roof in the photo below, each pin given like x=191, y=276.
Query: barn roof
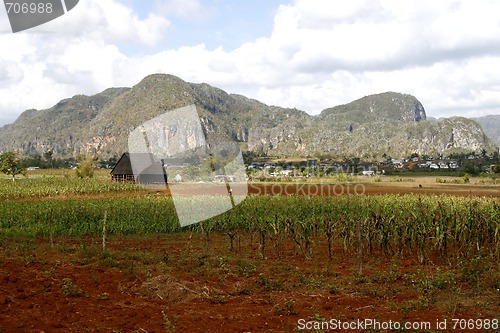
x=148, y=169
x=142, y=161
x=123, y=166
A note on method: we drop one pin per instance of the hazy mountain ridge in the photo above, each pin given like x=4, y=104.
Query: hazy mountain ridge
x=388, y=123
x=491, y=126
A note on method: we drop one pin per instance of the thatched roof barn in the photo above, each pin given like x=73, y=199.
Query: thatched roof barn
x=147, y=169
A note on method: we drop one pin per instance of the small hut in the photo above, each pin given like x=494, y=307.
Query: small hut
x=147, y=169
x=122, y=171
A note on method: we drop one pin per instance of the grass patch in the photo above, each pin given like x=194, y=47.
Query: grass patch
x=70, y=289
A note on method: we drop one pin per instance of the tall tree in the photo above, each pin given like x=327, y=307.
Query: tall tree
x=48, y=157
x=10, y=165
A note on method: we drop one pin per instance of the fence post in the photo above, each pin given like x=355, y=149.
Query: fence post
x=51, y=231
x=104, y=231
x=360, y=248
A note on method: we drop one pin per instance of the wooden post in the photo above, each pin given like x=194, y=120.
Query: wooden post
x=104, y=230
x=360, y=248
x=51, y=231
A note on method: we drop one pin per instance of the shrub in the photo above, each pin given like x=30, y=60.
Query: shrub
x=466, y=178
x=85, y=167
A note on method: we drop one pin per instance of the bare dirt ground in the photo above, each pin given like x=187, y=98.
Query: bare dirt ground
x=368, y=188
x=182, y=283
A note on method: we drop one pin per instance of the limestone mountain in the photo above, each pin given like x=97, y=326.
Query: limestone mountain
x=59, y=129
x=388, y=123
x=389, y=106
x=491, y=126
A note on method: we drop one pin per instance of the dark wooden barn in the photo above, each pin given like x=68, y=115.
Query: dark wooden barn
x=151, y=170
x=122, y=171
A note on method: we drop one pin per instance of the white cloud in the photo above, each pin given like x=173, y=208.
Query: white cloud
x=320, y=53
x=188, y=9
x=76, y=53
x=110, y=21
x=441, y=52
x=326, y=14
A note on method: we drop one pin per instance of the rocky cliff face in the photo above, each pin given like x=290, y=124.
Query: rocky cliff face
x=387, y=106
x=374, y=139
x=60, y=128
x=388, y=123
x=491, y=126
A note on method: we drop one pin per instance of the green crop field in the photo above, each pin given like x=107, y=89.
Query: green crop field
x=96, y=249
x=46, y=183
x=403, y=224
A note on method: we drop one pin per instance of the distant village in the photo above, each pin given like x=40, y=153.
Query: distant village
x=274, y=168
x=472, y=164
x=258, y=168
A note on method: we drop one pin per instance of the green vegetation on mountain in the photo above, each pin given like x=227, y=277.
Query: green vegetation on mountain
x=389, y=106
x=389, y=123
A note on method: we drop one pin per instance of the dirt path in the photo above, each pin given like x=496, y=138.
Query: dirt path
x=352, y=189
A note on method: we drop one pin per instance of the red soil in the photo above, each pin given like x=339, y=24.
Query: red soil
x=191, y=287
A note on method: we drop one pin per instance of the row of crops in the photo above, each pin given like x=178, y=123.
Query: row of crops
x=408, y=225
x=57, y=186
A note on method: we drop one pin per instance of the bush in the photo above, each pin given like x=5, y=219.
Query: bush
x=85, y=167
x=471, y=169
x=466, y=178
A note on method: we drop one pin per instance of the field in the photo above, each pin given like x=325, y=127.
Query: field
x=97, y=256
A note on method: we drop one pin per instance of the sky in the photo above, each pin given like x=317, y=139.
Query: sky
x=304, y=54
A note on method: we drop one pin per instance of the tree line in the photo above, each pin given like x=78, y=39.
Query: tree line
x=12, y=165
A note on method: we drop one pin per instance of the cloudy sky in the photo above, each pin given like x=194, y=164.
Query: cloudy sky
x=308, y=54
